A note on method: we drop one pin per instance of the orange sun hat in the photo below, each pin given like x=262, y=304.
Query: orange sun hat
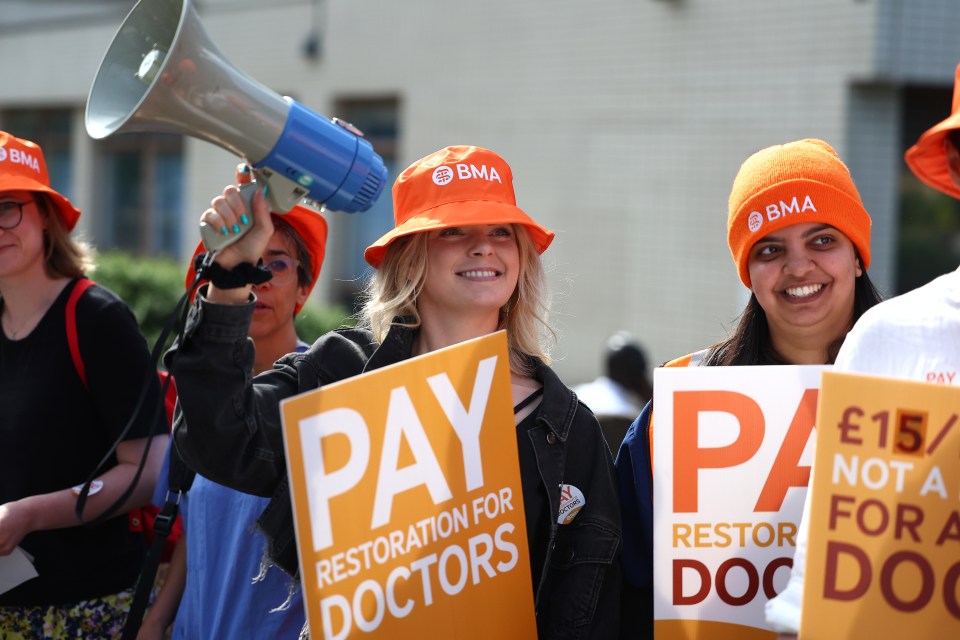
x=309, y=225
x=928, y=157
x=22, y=168
x=453, y=187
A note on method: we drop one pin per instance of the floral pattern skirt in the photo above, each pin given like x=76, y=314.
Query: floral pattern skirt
x=93, y=619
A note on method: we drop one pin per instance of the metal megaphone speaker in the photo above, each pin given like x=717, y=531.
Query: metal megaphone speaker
x=162, y=73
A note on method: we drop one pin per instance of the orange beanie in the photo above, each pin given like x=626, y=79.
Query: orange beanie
x=793, y=183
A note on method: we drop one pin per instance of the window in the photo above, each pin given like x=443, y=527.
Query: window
x=51, y=129
x=378, y=120
x=140, y=187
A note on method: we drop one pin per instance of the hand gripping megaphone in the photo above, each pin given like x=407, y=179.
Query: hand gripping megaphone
x=162, y=73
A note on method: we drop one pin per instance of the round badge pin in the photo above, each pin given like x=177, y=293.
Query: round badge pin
x=571, y=501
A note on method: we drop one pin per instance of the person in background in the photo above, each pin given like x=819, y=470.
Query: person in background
x=617, y=396
x=462, y=262
x=220, y=584
x=57, y=423
x=800, y=239
x=915, y=336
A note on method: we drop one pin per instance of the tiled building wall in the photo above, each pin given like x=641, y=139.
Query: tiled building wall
x=917, y=41
x=625, y=122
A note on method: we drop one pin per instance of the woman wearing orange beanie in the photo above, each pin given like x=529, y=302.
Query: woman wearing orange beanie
x=800, y=239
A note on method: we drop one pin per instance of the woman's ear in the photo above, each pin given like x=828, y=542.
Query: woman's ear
x=303, y=292
x=859, y=266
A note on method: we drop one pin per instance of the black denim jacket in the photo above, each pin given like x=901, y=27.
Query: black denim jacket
x=229, y=430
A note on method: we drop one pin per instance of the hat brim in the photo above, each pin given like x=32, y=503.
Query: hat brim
x=309, y=225
x=460, y=214
x=928, y=157
x=68, y=213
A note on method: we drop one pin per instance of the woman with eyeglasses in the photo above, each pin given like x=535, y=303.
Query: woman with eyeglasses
x=60, y=415
x=218, y=584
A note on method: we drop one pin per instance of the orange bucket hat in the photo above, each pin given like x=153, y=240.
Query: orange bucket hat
x=309, y=225
x=788, y=184
x=22, y=168
x=928, y=157
x=453, y=187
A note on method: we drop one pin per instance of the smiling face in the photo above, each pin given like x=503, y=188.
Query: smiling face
x=803, y=276
x=470, y=270
x=21, y=248
x=277, y=298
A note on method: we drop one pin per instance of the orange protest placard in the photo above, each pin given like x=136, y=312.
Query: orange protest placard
x=732, y=455
x=407, y=498
x=883, y=557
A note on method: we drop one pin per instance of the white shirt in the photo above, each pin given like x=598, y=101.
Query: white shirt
x=607, y=398
x=915, y=336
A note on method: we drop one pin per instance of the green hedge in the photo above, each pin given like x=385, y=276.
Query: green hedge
x=315, y=320
x=928, y=240
x=152, y=286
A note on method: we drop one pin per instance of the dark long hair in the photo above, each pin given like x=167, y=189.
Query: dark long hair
x=750, y=344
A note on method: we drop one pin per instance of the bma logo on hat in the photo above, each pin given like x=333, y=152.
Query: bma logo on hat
x=19, y=157
x=442, y=176
x=782, y=209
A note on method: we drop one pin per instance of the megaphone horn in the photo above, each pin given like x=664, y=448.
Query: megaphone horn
x=162, y=73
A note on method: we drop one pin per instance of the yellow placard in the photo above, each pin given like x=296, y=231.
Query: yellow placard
x=407, y=500
x=883, y=559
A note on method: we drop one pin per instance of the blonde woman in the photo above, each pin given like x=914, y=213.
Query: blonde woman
x=462, y=261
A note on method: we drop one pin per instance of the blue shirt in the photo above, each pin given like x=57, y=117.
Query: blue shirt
x=224, y=554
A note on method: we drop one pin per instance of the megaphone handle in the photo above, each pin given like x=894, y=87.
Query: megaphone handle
x=214, y=239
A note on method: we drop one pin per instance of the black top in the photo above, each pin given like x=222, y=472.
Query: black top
x=526, y=402
x=53, y=433
x=575, y=567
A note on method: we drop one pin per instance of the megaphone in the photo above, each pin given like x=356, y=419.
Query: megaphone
x=162, y=73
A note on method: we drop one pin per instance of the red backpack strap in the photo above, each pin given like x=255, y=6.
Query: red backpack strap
x=170, y=399
x=82, y=285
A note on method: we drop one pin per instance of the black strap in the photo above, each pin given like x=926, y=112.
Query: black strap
x=240, y=276
x=180, y=478
x=523, y=404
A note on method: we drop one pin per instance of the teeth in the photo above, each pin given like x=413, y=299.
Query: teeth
x=804, y=291
x=479, y=274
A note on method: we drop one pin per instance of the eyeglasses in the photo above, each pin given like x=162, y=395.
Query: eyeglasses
x=11, y=213
x=282, y=268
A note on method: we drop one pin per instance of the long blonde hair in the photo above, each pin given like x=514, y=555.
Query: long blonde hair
x=390, y=297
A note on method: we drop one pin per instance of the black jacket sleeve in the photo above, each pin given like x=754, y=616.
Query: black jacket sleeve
x=227, y=428
x=228, y=425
